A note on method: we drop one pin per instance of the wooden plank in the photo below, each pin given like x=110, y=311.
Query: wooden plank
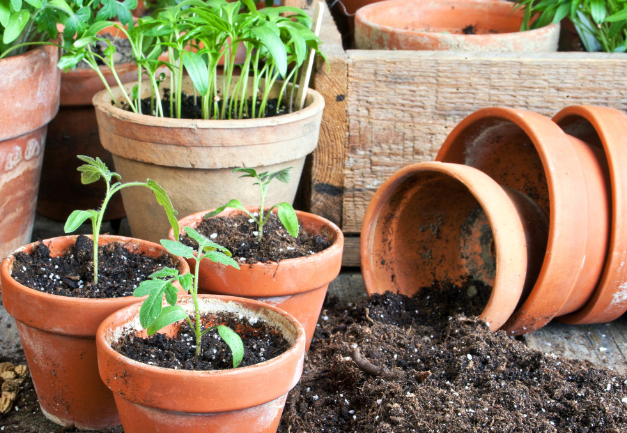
x=403, y=104
x=350, y=256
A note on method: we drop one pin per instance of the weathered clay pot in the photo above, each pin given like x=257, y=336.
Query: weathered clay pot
x=441, y=25
x=74, y=131
x=29, y=100
x=297, y=286
x=446, y=222
x=245, y=399
x=605, y=128
x=193, y=159
x=567, y=178
x=58, y=337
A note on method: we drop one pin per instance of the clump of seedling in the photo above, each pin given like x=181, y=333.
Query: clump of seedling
x=92, y=172
x=285, y=212
x=153, y=316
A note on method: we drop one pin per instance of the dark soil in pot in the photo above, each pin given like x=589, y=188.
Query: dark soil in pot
x=122, y=55
x=119, y=270
x=239, y=234
x=261, y=343
x=398, y=364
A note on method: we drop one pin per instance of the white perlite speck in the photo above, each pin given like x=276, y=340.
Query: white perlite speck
x=213, y=235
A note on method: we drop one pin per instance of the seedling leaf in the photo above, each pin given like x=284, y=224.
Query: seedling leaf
x=234, y=342
x=288, y=218
x=217, y=257
x=167, y=316
x=178, y=249
x=147, y=287
x=235, y=204
x=164, y=273
x=77, y=218
x=162, y=198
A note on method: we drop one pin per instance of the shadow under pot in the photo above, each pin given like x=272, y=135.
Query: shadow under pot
x=297, y=285
x=58, y=336
x=433, y=224
x=567, y=178
x=243, y=399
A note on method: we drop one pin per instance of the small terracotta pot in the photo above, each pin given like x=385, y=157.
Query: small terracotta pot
x=446, y=222
x=440, y=25
x=74, y=131
x=245, y=399
x=189, y=158
x=606, y=129
x=29, y=100
x=567, y=178
x=58, y=337
x=297, y=286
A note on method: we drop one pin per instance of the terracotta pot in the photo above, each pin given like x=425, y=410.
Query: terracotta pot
x=245, y=399
x=75, y=132
x=567, y=178
x=58, y=337
x=605, y=128
x=446, y=222
x=297, y=286
x=193, y=159
x=440, y=25
x=29, y=100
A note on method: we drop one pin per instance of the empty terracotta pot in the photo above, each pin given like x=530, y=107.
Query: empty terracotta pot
x=190, y=158
x=605, y=129
x=457, y=25
x=74, y=131
x=29, y=100
x=567, y=178
x=245, y=399
x=297, y=286
x=446, y=222
x=58, y=336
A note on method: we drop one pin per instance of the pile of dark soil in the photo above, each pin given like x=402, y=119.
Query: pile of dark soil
x=261, y=343
x=398, y=364
x=123, y=51
x=238, y=233
x=72, y=274
x=191, y=107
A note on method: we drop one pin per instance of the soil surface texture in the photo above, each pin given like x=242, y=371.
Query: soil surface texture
x=119, y=271
x=191, y=107
x=399, y=364
x=238, y=233
x=123, y=51
x=261, y=343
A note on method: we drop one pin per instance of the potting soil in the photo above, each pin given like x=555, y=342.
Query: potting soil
x=123, y=51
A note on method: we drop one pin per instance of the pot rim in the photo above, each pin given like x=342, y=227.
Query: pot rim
x=30, y=53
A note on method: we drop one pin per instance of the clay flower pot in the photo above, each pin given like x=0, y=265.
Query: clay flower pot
x=606, y=129
x=58, y=337
x=297, y=286
x=29, y=100
x=190, y=158
x=458, y=25
x=74, y=131
x=569, y=181
x=446, y=222
x=245, y=399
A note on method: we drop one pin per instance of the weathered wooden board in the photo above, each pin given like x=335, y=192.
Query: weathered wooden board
x=402, y=104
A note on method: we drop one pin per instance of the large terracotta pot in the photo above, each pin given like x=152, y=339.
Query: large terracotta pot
x=245, y=399
x=297, y=286
x=447, y=222
x=58, y=337
x=193, y=159
x=605, y=128
x=569, y=181
x=29, y=99
x=440, y=25
x=74, y=131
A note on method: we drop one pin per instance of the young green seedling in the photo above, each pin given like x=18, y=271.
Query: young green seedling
x=286, y=213
x=153, y=316
x=92, y=172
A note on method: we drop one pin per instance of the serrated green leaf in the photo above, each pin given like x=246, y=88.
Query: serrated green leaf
x=235, y=204
x=147, y=287
x=178, y=249
x=171, y=294
x=17, y=22
x=70, y=60
x=152, y=305
x=186, y=281
x=217, y=257
x=200, y=239
x=89, y=174
x=167, y=316
x=234, y=342
x=77, y=218
x=162, y=198
x=288, y=218
x=248, y=172
x=281, y=175
x=197, y=70
x=164, y=273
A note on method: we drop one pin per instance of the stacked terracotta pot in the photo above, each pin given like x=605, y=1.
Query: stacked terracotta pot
x=529, y=205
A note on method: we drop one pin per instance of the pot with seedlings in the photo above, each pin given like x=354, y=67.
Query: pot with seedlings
x=188, y=130
x=218, y=363
x=287, y=258
x=59, y=290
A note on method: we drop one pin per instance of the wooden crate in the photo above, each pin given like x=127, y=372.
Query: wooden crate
x=388, y=109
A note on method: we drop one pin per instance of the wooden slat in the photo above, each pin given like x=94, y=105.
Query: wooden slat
x=403, y=104
x=350, y=257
